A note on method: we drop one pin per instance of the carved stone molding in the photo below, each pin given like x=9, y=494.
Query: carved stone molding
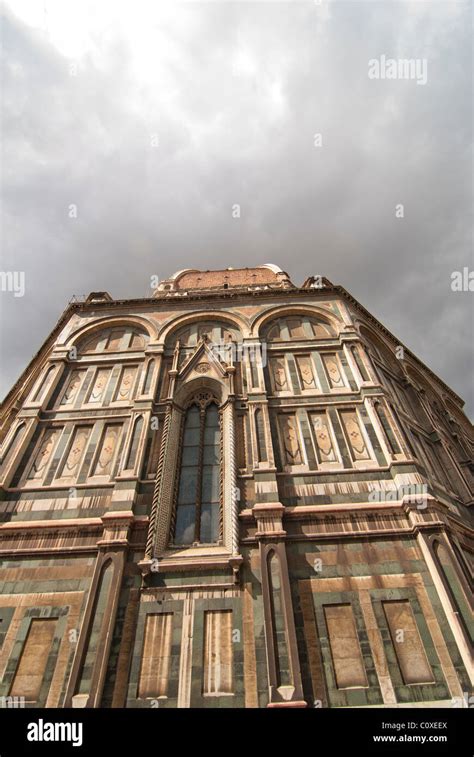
x=344, y=521
x=116, y=529
x=269, y=517
x=202, y=367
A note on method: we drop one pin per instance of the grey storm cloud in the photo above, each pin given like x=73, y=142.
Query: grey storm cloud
x=172, y=113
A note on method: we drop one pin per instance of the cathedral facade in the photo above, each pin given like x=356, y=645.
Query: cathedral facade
x=237, y=492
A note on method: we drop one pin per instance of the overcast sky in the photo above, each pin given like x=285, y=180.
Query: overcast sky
x=155, y=118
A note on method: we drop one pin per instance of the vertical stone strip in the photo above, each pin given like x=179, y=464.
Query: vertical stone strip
x=161, y=514
x=250, y=659
x=376, y=645
x=450, y=613
x=222, y=492
x=126, y=647
x=150, y=542
x=156, y=656
x=186, y=658
x=165, y=511
x=218, y=652
x=230, y=504
x=312, y=644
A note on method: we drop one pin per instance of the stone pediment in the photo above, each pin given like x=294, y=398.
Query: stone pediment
x=203, y=362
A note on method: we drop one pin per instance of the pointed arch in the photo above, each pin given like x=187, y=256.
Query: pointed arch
x=42, y=387
x=132, y=455
x=11, y=443
x=198, y=497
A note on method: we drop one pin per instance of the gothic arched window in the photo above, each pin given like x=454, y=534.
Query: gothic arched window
x=41, y=390
x=198, y=497
x=132, y=454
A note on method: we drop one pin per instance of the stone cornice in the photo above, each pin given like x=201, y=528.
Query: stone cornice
x=193, y=558
x=71, y=536
x=348, y=521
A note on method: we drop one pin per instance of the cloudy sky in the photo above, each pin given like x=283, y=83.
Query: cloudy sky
x=155, y=118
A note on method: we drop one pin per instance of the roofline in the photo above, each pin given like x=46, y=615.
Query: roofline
x=63, y=319
x=388, y=333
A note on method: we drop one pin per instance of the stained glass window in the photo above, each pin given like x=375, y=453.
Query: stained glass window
x=197, y=505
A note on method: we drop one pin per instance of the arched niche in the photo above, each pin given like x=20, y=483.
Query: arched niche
x=188, y=330
x=115, y=339
x=288, y=324
x=380, y=349
x=112, y=335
